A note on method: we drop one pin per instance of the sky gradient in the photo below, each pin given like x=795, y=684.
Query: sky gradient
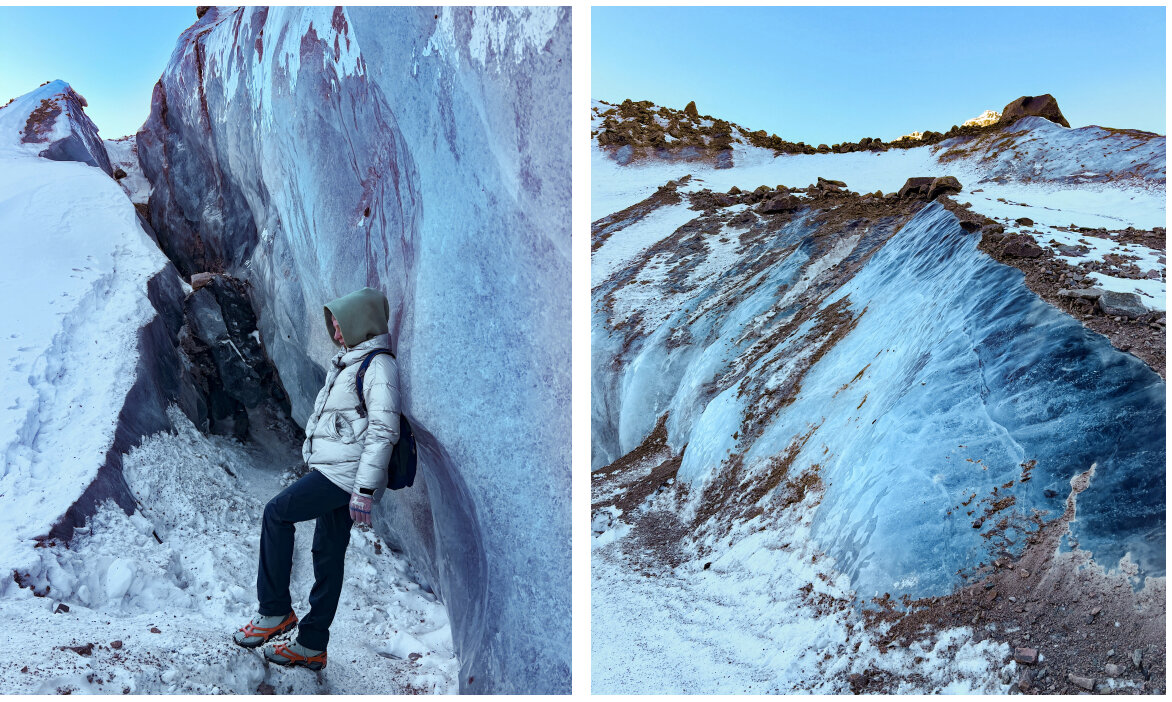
x=827, y=75
x=112, y=56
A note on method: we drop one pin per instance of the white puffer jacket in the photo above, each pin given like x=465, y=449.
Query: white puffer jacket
x=350, y=450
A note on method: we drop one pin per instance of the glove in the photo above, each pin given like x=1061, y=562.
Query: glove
x=360, y=508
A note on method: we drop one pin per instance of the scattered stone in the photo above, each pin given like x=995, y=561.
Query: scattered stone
x=1121, y=304
x=970, y=225
x=119, y=174
x=1081, y=681
x=155, y=630
x=1021, y=246
x=61, y=608
x=1137, y=657
x=691, y=111
x=1095, y=612
x=414, y=656
x=85, y=650
x=1024, y=221
x=1025, y=656
x=1113, y=670
x=1084, y=293
x=1024, y=574
x=116, y=644
x=858, y=682
x=916, y=187
x=265, y=689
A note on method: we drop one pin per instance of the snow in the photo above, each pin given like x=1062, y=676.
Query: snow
x=124, y=154
x=75, y=273
x=626, y=244
x=183, y=565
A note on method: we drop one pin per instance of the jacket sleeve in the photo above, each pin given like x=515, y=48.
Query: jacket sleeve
x=311, y=423
x=381, y=390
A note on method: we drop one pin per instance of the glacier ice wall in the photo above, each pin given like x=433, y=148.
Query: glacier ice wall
x=931, y=392
x=423, y=152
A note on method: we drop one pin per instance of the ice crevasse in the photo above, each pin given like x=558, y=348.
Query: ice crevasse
x=313, y=151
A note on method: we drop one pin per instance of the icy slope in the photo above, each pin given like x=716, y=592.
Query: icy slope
x=313, y=151
x=150, y=599
x=78, y=276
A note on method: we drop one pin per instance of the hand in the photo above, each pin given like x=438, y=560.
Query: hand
x=360, y=508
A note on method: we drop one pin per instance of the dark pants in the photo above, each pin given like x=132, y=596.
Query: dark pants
x=311, y=497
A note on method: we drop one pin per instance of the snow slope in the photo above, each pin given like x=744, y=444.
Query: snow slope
x=313, y=151
x=76, y=280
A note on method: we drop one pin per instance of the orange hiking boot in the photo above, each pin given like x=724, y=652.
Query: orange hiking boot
x=295, y=654
x=262, y=628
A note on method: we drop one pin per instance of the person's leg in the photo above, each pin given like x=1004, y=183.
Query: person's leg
x=308, y=498
x=330, y=539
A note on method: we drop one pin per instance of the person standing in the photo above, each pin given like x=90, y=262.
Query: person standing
x=347, y=454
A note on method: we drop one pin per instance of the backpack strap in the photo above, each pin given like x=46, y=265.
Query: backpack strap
x=362, y=374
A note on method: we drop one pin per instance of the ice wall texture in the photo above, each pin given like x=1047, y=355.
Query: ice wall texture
x=926, y=387
x=425, y=153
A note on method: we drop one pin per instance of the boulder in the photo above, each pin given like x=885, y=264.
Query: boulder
x=916, y=187
x=690, y=110
x=780, y=203
x=1021, y=246
x=830, y=186
x=944, y=185
x=1024, y=221
x=1121, y=304
x=1040, y=106
x=198, y=280
x=54, y=116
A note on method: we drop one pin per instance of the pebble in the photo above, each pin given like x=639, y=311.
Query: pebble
x=1025, y=655
x=1082, y=681
x=1137, y=657
x=1113, y=670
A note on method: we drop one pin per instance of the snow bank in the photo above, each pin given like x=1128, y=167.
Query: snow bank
x=83, y=281
x=423, y=152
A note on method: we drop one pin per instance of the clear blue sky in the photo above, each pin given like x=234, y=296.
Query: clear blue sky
x=111, y=55
x=826, y=75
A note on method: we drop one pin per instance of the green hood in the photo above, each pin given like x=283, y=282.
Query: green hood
x=362, y=314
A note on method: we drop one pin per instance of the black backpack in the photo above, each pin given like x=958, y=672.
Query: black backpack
x=401, y=469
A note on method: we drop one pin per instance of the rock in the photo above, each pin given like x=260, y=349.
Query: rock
x=1041, y=105
x=54, y=115
x=734, y=190
x=916, y=187
x=1081, y=681
x=993, y=228
x=1021, y=246
x=1024, y=221
x=1137, y=657
x=198, y=280
x=1095, y=612
x=690, y=110
x=1025, y=656
x=265, y=689
x=780, y=203
x=201, y=10
x=970, y=225
x=1113, y=670
x=944, y=185
x=155, y=630
x=857, y=681
x=1084, y=293
x=85, y=650
x=1121, y=304
x=62, y=608
x=832, y=186
x=118, y=173
x=116, y=644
